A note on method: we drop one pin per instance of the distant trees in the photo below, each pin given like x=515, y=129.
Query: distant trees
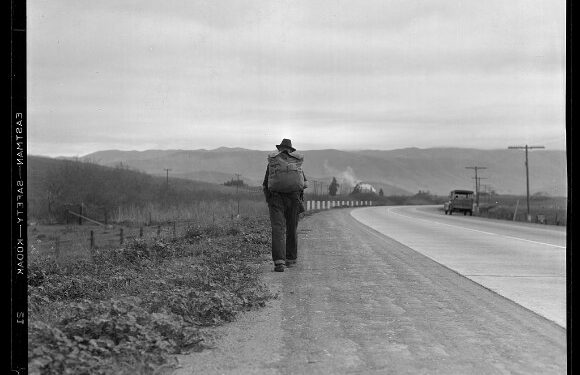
x=381, y=193
x=424, y=197
x=232, y=182
x=333, y=187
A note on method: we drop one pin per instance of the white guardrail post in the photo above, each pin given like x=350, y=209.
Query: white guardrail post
x=327, y=205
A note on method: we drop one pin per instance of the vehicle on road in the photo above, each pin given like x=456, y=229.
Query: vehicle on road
x=459, y=201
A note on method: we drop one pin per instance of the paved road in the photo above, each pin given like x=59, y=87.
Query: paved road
x=521, y=261
x=359, y=302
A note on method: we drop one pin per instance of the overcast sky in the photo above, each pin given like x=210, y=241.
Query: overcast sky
x=386, y=74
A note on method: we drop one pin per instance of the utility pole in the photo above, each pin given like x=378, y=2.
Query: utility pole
x=167, y=177
x=526, y=148
x=237, y=195
x=237, y=182
x=478, y=186
x=476, y=168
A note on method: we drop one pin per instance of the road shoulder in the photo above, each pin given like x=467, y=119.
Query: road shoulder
x=248, y=345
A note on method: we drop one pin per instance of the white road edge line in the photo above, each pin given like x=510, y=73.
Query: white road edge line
x=474, y=230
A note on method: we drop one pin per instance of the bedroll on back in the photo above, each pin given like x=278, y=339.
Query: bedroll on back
x=285, y=172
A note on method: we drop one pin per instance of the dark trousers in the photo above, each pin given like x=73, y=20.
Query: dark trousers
x=284, y=209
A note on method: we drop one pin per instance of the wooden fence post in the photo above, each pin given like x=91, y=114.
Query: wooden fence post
x=140, y=232
x=158, y=230
x=174, y=230
x=92, y=248
x=57, y=248
x=121, y=236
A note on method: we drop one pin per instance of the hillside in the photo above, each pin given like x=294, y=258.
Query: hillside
x=56, y=185
x=403, y=171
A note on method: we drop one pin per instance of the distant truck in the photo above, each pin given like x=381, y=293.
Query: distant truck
x=459, y=201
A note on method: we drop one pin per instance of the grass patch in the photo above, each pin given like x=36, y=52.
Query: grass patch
x=129, y=310
x=543, y=209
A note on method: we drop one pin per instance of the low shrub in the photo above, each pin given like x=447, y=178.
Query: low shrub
x=129, y=310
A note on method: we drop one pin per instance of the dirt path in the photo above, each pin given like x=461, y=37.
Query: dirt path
x=359, y=302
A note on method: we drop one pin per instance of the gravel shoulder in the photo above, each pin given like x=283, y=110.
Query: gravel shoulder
x=360, y=302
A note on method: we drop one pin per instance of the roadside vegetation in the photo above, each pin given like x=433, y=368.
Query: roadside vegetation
x=121, y=194
x=129, y=309
x=543, y=209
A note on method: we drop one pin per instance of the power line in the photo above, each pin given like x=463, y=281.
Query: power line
x=479, y=182
x=526, y=148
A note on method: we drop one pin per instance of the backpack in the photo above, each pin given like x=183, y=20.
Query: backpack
x=285, y=172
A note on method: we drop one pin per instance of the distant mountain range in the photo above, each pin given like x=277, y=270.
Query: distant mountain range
x=402, y=171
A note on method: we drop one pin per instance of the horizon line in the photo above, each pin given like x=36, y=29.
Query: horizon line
x=250, y=149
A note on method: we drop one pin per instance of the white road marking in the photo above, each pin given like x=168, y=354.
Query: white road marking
x=475, y=230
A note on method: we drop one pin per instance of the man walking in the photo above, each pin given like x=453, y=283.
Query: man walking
x=283, y=186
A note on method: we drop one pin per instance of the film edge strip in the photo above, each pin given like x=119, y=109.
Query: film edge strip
x=18, y=198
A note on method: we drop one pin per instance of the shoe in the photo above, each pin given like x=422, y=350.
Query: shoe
x=290, y=262
x=279, y=267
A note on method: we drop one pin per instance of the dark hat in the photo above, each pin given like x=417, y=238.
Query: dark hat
x=286, y=143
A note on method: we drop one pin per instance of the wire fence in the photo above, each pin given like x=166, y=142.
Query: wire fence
x=75, y=241
x=81, y=236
